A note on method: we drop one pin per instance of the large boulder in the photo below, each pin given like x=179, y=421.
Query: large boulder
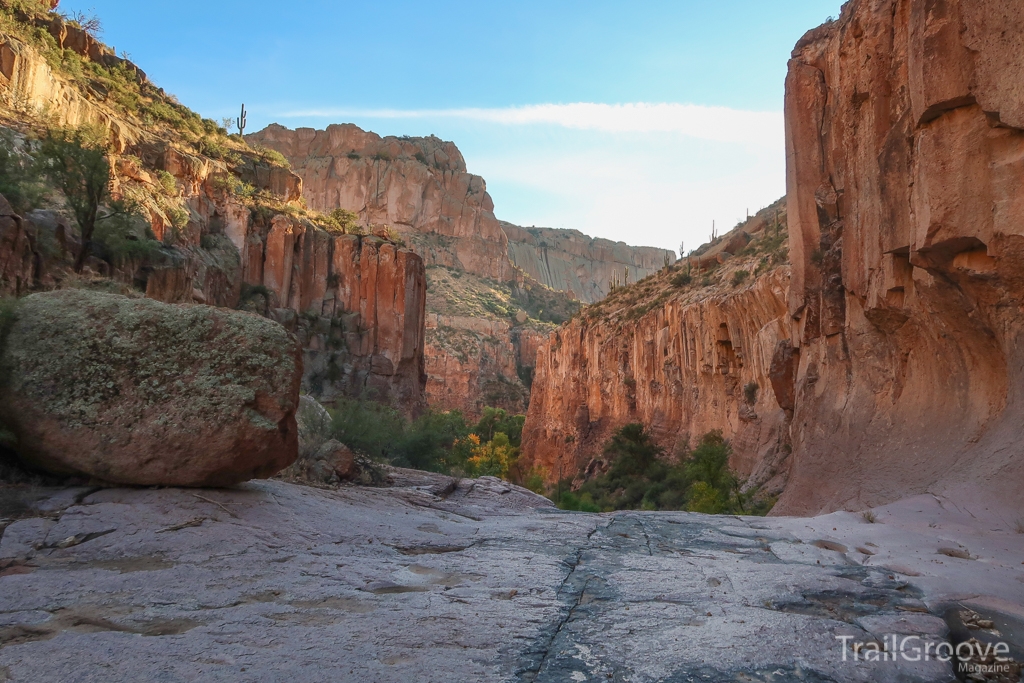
x=134, y=391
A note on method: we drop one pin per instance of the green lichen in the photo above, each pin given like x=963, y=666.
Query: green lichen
x=90, y=358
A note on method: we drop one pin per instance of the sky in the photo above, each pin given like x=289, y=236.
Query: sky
x=639, y=121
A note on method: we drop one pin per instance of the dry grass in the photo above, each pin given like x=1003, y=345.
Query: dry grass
x=869, y=517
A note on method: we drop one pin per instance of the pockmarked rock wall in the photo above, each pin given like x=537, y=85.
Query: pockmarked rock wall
x=569, y=261
x=686, y=351
x=905, y=151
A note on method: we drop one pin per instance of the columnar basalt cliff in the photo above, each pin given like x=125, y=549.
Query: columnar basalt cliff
x=569, y=261
x=355, y=302
x=905, y=146
x=683, y=359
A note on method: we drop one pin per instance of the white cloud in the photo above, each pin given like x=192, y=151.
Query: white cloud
x=719, y=124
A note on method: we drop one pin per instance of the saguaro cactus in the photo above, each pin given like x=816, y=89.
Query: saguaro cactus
x=241, y=122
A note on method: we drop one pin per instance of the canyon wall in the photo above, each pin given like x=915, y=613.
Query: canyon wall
x=569, y=261
x=418, y=186
x=905, y=151
x=683, y=359
x=892, y=363
x=355, y=302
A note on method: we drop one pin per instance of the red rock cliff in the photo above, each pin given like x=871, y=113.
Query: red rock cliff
x=905, y=150
x=900, y=367
x=677, y=359
x=419, y=186
x=356, y=303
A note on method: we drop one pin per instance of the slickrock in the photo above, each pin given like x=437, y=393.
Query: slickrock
x=475, y=580
x=905, y=146
x=134, y=391
x=569, y=261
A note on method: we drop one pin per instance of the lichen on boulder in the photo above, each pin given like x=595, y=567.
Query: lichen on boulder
x=134, y=391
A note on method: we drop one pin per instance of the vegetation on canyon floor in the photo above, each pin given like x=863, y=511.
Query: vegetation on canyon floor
x=444, y=442
x=639, y=477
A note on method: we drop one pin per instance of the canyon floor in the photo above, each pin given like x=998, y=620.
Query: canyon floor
x=441, y=580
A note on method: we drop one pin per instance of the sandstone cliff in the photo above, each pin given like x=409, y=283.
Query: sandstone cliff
x=684, y=352
x=230, y=232
x=569, y=261
x=905, y=150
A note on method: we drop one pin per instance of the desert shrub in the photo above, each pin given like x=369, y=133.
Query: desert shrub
x=750, y=392
x=681, y=279
x=495, y=420
x=167, y=183
x=124, y=237
x=739, y=277
x=271, y=156
x=340, y=220
x=436, y=441
x=235, y=187
x=75, y=161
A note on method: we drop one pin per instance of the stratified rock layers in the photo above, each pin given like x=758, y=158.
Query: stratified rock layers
x=569, y=261
x=419, y=186
x=905, y=149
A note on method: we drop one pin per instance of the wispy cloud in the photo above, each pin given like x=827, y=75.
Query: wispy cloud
x=720, y=124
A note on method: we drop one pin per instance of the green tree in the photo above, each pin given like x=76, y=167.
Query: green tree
x=19, y=180
x=75, y=160
x=632, y=451
x=494, y=420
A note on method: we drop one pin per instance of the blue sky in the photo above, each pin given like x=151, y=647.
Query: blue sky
x=641, y=121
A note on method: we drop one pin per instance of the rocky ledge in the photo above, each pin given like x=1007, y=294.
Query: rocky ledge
x=437, y=579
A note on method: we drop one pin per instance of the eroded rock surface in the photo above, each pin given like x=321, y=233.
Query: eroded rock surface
x=905, y=144
x=681, y=360
x=441, y=580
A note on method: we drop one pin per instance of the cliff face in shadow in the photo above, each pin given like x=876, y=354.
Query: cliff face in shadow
x=905, y=150
x=569, y=261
